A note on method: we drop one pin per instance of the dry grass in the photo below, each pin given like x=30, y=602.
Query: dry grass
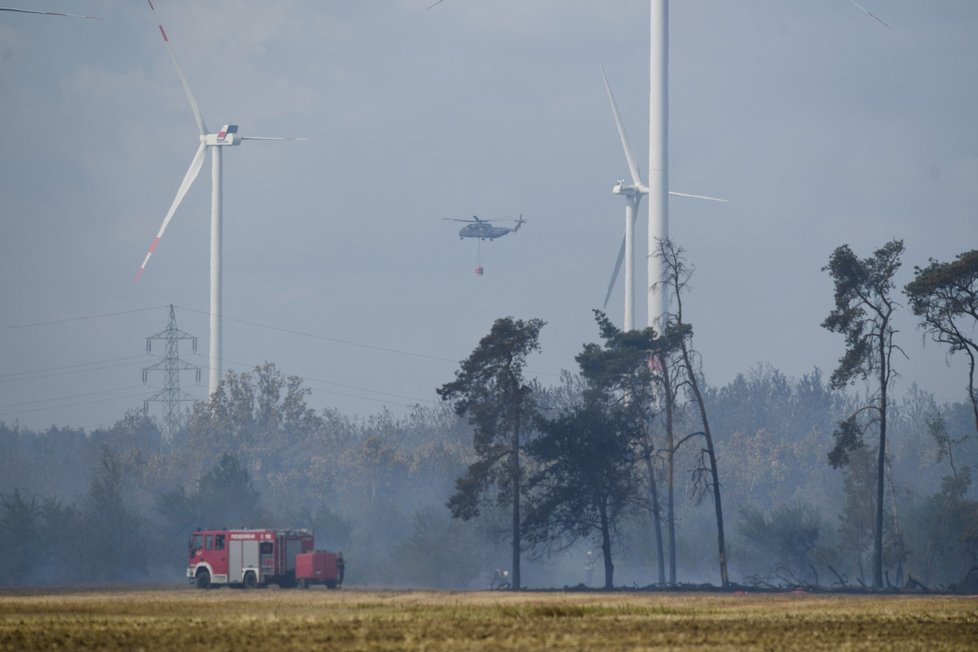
x=184, y=619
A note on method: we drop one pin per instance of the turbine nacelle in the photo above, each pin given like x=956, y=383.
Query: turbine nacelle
x=629, y=190
x=228, y=135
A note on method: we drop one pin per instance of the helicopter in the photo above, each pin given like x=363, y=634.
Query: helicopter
x=483, y=229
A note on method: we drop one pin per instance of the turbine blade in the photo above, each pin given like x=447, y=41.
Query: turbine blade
x=46, y=13
x=690, y=196
x=183, y=80
x=270, y=138
x=188, y=180
x=614, y=274
x=629, y=157
x=870, y=14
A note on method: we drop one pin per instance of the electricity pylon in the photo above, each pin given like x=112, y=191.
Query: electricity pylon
x=171, y=365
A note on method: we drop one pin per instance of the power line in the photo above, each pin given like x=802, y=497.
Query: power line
x=68, y=405
x=44, y=373
x=69, y=397
x=326, y=338
x=291, y=331
x=344, y=386
x=337, y=340
x=100, y=365
x=83, y=318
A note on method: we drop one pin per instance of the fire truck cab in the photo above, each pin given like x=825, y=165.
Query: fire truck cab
x=246, y=558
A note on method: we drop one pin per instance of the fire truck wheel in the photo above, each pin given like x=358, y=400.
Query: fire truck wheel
x=250, y=581
x=203, y=580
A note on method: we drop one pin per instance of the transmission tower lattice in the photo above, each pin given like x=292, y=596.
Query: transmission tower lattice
x=171, y=365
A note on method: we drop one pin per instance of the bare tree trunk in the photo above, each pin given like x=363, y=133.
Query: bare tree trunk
x=671, y=256
x=880, y=470
x=670, y=471
x=971, y=386
x=516, y=491
x=656, y=513
x=714, y=474
x=609, y=567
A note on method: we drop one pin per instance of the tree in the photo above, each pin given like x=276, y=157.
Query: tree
x=442, y=552
x=226, y=495
x=784, y=542
x=39, y=539
x=586, y=481
x=622, y=376
x=586, y=459
x=261, y=411
x=669, y=377
x=946, y=523
x=945, y=297
x=113, y=544
x=19, y=526
x=863, y=314
x=489, y=390
x=261, y=417
x=707, y=475
x=855, y=520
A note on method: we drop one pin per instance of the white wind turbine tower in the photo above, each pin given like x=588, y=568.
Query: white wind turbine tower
x=633, y=196
x=658, y=188
x=658, y=155
x=215, y=142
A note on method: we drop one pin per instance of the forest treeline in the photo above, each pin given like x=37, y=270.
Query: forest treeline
x=581, y=482
x=118, y=504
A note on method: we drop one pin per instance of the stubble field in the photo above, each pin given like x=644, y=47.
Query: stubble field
x=352, y=619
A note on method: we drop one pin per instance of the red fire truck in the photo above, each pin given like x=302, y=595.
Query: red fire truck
x=253, y=558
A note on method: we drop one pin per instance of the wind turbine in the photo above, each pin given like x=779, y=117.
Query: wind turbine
x=633, y=196
x=658, y=188
x=215, y=142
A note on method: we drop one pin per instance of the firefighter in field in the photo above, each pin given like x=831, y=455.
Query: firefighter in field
x=340, y=566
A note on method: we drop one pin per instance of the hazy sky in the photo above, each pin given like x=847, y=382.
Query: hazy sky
x=820, y=125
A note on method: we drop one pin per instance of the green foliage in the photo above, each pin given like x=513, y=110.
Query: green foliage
x=585, y=476
x=856, y=520
x=848, y=438
x=39, y=539
x=783, y=544
x=224, y=497
x=112, y=544
x=441, y=552
x=489, y=390
x=19, y=528
x=863, y=314
x=945, y=294
x=945, y=298
x=333, y=530
x=263, y=418
x=863, y=308
x=945, y=532
x=371, y=487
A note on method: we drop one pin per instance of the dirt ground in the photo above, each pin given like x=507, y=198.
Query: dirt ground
x=353, y=619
